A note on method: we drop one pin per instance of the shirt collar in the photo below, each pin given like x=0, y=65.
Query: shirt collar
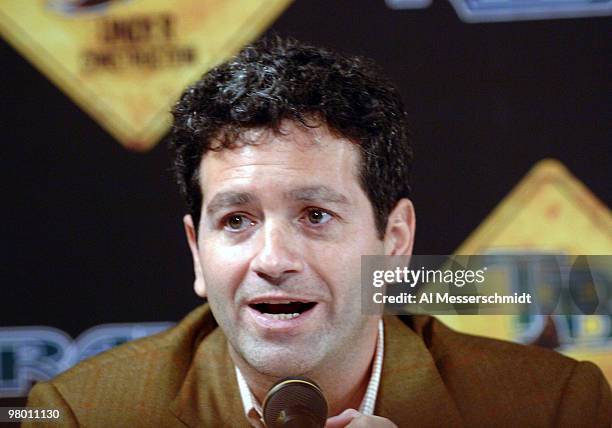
x=252, y=408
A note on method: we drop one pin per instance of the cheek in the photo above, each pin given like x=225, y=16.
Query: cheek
x=339, y=265
x=223, y=268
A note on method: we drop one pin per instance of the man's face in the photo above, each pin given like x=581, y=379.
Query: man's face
x=284, y=224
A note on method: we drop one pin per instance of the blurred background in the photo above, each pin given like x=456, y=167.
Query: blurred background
x=510, y=103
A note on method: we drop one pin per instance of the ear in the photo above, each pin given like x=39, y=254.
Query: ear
x=198, y=285
x=399, y=234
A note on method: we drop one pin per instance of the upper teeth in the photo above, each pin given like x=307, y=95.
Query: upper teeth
x=283, y=316
x=279, y=302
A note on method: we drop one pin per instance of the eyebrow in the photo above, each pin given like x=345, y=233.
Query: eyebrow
x=304, y=194
x=228, y=199
x=316, y=194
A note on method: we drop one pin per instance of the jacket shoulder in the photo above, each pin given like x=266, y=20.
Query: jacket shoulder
x=445, y=343
x=506, y=381
x=141, y=376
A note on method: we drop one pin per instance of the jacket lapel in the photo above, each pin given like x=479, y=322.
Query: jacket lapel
x=411, y=390
x=209, y=396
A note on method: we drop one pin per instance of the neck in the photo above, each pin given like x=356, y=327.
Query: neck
x=344, y=380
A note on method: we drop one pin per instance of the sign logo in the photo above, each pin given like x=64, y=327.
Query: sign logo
x=515, y=10
x=75, y=7
x=29, y=354
x=126, y=62
x=551, y=211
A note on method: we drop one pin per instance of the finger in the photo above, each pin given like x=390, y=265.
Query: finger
x=343, y=419
x=362, y=421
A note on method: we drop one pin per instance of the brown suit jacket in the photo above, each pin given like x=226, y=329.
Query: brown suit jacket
x=431, y=376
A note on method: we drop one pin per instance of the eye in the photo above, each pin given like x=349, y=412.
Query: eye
x=237, y=222
x=318, y=216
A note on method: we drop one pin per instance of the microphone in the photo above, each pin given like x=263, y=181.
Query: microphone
x=295, y=402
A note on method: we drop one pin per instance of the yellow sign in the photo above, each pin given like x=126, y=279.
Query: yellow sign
x=125, y=62
x=549, y=211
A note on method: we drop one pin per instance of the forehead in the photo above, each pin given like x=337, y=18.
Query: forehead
x=295, y=156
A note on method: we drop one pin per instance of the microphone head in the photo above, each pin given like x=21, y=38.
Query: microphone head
x=295, y=402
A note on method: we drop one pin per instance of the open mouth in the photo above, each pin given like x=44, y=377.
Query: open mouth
x=283, y=311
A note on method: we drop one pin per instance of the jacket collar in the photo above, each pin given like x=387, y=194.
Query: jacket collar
x=209, y=395
x=411, y=389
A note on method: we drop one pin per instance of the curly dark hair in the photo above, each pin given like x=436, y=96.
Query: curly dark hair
x=277, y=79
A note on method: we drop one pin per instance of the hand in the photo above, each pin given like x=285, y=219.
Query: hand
x=351, y=418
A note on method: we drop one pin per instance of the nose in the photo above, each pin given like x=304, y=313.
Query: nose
x=278, y=256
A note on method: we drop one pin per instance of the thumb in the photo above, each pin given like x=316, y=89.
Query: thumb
x=343, y=419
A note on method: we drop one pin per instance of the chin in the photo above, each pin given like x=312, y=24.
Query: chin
x=281, y=363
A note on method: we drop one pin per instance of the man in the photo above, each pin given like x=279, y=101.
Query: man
x=294, y=162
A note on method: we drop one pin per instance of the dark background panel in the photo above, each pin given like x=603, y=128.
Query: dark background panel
x=92, y=233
